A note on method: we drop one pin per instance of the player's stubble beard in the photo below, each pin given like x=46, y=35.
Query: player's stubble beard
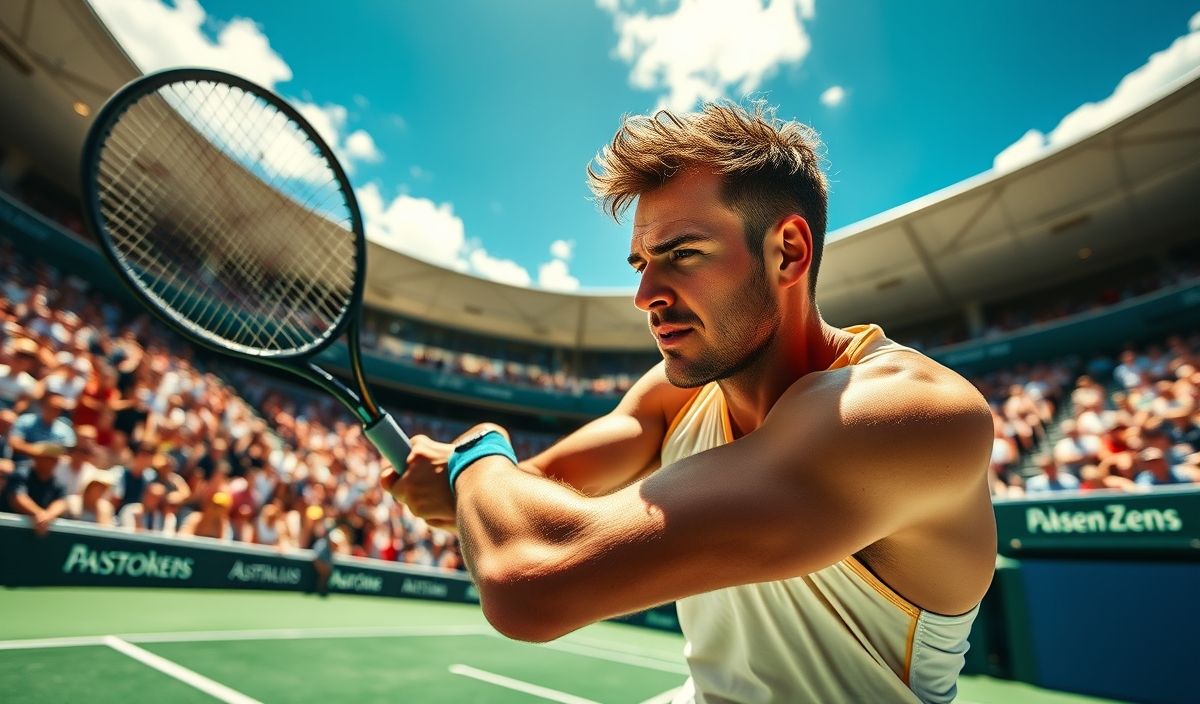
x=743, y=327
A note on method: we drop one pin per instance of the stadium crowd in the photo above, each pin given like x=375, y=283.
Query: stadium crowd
x=1130, y=424
x=499, y=361
x=105, y=417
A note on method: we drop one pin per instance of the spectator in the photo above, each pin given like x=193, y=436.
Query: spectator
x=175, y=488
x=1156, y=471
x=92, y=505
x=211, y=521
x=137, y=474
x=19, y=367
x=1074, y=450
x=69, y=378
x=1093, y=477
x=1050, y=478
x=42, y=436
x=78, y=462
x=99, y=392
x=35, y=491
x=323, y=549
x=270, y=528
x=153, y=513
x=7, y=419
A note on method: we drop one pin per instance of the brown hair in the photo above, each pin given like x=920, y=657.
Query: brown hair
x=771, y=168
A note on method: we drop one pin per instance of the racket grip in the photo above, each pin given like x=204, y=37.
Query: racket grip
x=385, y=434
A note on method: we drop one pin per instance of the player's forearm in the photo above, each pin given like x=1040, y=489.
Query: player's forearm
x=526, y=542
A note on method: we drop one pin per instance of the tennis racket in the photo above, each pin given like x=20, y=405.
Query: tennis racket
x=230, y=218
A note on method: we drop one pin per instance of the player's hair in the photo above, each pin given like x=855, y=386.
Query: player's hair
x=771, y=168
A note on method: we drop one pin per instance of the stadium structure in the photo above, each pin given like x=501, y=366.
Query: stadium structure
x=962, y=273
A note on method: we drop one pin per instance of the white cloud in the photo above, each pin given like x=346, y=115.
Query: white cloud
x=561, y=249
x=327, y=121
x=360, y=145
x=415, y=226
x=554, y=276
x=705, y=48
x=432, y=232
x=502, y=270
x=1134, y=91
x=1022, y=151
x=833, y=96
x=157, y=36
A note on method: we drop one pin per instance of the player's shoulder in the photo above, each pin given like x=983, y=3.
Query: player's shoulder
x=902, y=394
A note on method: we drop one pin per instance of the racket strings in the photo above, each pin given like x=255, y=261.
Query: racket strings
x=233, y=271
x=229, y=216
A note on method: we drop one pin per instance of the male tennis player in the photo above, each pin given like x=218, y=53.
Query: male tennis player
x=814, y=498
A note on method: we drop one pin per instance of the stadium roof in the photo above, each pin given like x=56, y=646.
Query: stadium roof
x=1077, y=209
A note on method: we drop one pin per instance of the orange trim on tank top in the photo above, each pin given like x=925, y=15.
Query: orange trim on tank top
x=863, y=335
x=911, y=610
x=726, y=421
x=908, y=651
x=884, y=590
x=679, y=417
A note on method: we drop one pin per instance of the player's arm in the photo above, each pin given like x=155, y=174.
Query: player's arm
x=821, y=479
x=617, y=448
x=601, y=456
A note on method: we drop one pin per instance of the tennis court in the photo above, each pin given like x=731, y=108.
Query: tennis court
x=118, y=645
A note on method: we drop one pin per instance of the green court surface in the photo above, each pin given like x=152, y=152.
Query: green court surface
x=144, y=645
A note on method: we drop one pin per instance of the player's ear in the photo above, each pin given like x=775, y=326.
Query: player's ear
x=789, y=250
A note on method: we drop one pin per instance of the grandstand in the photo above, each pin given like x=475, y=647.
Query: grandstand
x=1068, y=290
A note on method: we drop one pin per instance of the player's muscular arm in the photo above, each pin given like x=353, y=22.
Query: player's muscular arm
x=615, y=449
x=830, y=472
x=603, y=455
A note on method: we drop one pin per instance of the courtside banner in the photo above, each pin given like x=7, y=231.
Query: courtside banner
x=1166, y=520
x=82, y=554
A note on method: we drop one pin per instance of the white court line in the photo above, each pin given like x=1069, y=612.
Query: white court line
x=260, y=634
x=303, y=633
x=34, y=643
x=179, y=672
x=509, y=683
x=665, y=698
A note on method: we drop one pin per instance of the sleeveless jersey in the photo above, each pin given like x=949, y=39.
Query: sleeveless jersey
x=837, y=635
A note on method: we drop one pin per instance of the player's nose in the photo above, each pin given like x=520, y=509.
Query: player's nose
x=653, y=290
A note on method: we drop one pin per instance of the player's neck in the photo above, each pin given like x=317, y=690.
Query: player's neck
x=800, y=348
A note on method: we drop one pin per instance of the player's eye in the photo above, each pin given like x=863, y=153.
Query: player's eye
x=677, y=254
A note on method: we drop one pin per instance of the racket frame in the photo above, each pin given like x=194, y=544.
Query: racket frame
x=360, y=404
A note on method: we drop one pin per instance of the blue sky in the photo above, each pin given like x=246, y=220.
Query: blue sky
x=467, y=125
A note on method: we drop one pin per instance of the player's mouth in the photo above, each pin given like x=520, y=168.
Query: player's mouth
x=669, y=336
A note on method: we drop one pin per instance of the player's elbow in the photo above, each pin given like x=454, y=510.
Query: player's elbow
x=521, y=604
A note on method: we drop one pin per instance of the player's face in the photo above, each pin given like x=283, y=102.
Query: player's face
x=710, y=305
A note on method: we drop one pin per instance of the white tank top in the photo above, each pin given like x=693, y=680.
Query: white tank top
x=836, y=635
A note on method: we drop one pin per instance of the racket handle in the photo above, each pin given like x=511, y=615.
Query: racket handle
x=390, y=440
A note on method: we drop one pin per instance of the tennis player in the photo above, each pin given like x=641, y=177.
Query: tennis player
x=814, y=498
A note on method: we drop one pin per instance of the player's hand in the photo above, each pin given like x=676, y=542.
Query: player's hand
x=423, y=486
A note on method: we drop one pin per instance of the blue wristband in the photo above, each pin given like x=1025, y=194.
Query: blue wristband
x=485, y=444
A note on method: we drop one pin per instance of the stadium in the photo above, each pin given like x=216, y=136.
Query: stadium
x=195, y=486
